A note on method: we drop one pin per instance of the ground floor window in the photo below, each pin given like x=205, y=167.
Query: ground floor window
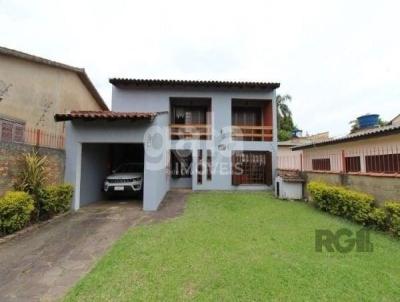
x=387, y=163
x=181, y=163
x=199, y=167
x=251, y=167
x=209, y=164
x=321, y=164
x=353, y=164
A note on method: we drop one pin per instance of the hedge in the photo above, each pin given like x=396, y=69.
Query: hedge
x=55, y=199
x=341, y=201
x=392, y=209
x=15, y=211
x=356, y=206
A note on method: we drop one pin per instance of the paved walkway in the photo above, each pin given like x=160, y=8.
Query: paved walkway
x=43, y=264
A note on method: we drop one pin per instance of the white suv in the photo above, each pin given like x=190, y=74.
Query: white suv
x=126, y=178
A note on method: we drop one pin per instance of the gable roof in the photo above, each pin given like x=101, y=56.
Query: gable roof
x=160, y=83
x=103, y=115
x=79, y=71
x=359, y=135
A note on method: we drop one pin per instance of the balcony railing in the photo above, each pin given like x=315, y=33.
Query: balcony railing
x=252, y=133
x=200, y=131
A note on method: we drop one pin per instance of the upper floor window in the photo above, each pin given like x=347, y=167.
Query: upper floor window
x=11, y=130
x=190, y=118
x=252, y=120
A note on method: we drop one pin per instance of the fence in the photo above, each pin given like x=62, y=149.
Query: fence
x=379, y=160
x=31, y=136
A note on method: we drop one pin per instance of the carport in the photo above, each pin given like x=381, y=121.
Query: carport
x=97, y=142
x=98, y=160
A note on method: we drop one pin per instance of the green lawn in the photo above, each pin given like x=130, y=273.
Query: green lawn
x=241, y=247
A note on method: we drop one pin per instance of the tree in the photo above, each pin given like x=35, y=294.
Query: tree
x=285, y=121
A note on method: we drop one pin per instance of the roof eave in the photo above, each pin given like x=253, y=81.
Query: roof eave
x=349, y=139
x=159, y=83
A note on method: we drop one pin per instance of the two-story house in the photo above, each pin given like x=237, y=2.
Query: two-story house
x=202, y=135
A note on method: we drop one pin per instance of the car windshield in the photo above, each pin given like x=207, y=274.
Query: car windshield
x=131, y=167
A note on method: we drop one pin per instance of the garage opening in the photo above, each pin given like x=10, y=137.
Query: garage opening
x=111, y=172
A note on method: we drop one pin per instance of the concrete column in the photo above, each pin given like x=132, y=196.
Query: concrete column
x=78, y=164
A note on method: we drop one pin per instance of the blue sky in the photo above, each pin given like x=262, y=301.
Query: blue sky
x=338, y=59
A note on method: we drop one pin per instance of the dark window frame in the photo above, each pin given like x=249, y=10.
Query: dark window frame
x=199, y=167
x=251, y=168
x=321, y=164
x=353, y=164
x=383, y=163
x=209, y=165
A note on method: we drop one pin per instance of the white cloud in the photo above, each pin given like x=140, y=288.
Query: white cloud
x=338, y=59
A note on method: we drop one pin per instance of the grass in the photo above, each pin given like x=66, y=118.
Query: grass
x=241, y=247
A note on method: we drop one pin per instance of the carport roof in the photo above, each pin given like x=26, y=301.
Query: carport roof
x=104, y=115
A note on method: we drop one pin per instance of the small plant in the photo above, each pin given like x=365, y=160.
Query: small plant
x=15, y=211
x=33, y=176
x=55, y=199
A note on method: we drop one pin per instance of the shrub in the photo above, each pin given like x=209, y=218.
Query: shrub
x=15, y=211
x=392, y=209
x=342, y=201
x=55, y=199
x=33, y=176
x=379, y=219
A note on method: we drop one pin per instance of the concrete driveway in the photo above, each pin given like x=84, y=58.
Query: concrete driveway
x=43, y=264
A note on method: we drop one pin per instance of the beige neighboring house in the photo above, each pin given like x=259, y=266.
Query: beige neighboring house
x=33, y=89
x=395, y=121
x=290, y=159
x=373, y=151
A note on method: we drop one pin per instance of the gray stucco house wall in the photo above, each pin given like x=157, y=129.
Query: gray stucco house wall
x=142, y=100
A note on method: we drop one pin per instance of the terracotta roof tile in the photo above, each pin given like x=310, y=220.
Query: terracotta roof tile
x=290, y=175
x=159, y=83
x=104, y=115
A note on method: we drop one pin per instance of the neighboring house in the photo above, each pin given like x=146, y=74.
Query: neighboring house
x=33, y=89
x=370, y=151
x=367, y=160
x=200, y=135
x=291, y=160
x=395, y=121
